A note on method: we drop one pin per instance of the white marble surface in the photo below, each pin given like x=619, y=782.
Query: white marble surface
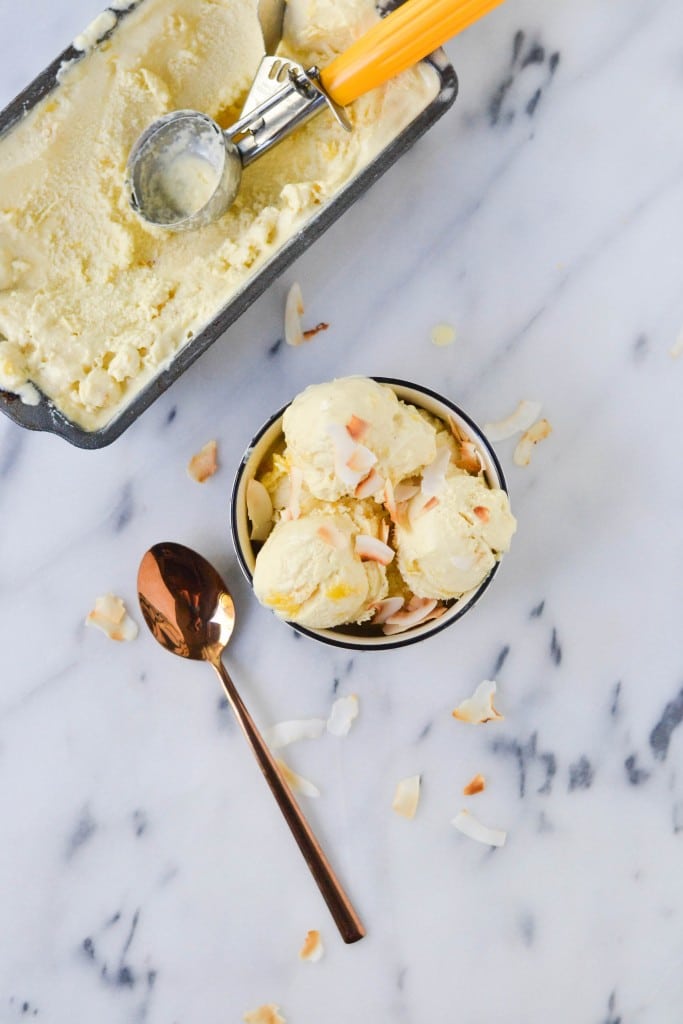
x=145, y=874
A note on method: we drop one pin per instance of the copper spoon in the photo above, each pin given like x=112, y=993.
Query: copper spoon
x=189, y=611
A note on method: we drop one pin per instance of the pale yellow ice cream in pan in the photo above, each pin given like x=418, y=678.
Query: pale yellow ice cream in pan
x=99, y=313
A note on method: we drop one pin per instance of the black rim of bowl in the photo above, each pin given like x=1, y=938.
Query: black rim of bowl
x=399, y=640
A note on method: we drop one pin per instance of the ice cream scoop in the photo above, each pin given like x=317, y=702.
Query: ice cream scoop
x=190, y=612
x=340, y=431
x=447, y=547
x=185, y=171
x=309, y=571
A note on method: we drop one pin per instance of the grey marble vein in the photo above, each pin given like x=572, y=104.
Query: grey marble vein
x=581, y=774
x=671, y=718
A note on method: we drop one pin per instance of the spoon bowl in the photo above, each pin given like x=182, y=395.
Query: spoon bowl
x=185, y=603
x=190, y=612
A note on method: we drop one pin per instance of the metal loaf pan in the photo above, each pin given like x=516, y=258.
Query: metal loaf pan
x=47, y=418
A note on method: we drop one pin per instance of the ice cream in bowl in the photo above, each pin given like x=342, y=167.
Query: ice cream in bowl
x=370, y=513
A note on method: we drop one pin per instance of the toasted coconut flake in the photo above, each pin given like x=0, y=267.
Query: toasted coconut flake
x=372, y=483
x=357, y=428
x=457, y=431
x=296, y=479
x=353, y=461
x=434, y=475
x=361, y=460
x=372, y=549
x=677, y=348
x=344, y=711
x=436, y=612
x=417, y=506
x=267, y=1014
x=312, y=331
x=477, y=784
x=259, y=510
x=312, y=949
x=419, y=608
x=389, y=606
x=384, y=531
x=297, y=783
x=522, y=453
x=390, y=501
x=407, y=797
x=284, y=733
x=205, y=463
x=404, y=492
x=478, y=709
x=341, y=439
x=110, y=607
x=294, y=310
x=110, y=615
x=468, y=458
x=518, y=421
x=332, y=536
x=402, y=511
x=482, y=512
x=466, y=823
x=442, y=335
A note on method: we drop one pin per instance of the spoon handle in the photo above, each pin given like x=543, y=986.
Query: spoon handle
x=339, y=905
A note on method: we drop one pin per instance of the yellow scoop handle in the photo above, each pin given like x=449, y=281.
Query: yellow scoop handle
x=397, y=42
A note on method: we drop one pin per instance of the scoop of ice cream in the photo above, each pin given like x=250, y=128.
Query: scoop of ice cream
x=341, y=432
x=308, y=572
x=450, y=546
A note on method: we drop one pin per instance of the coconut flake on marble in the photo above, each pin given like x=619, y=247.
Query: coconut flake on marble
x=269, y=1013
x=407, y=797
x=294, y=310
x=204, y=463
x=284, y=733
x=479, y=709
x=517, y=422
x=528, y=441
x=477, y=784
x=297, y=782
x=466, y=823
x=110, y=615
x=344, y=711
x=312, y=949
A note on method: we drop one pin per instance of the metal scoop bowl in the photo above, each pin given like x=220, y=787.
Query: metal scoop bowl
x=183, y=172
